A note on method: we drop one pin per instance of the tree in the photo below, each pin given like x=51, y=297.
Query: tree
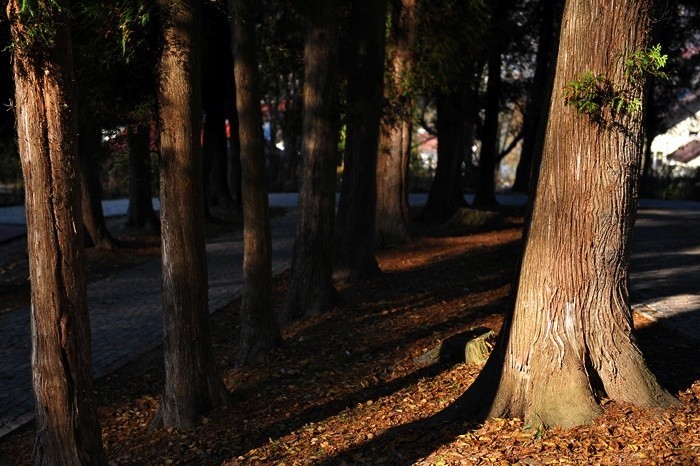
x=192, y=385
x=67, y=428
x=259, y=330
x=354, y=258
x=89, y=142
x=141, y=215
x=392, y=215
x=310, y=289
x=568, y=340
x=484, y=197
x=217, y=73
x=539, y=94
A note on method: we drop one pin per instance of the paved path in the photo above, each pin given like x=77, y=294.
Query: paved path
x=664, y=274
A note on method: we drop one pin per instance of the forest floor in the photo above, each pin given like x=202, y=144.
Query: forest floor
x=350, y=386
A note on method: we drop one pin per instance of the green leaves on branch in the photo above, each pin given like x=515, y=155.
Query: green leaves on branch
x=40, y=21
x=594, y=94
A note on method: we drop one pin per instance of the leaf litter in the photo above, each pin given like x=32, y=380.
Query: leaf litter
x=345, y=388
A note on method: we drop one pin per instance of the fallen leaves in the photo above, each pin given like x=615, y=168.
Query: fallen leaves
x=346, y=390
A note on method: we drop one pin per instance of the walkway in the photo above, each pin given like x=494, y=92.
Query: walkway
x=664, y=270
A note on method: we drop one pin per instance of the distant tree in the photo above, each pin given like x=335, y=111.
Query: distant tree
x=568, y=341
x=310, y=289
x=192, y=384
x=141, y=215
x=217, y=73
x=89, y=143
x=67, y=428
x=450, y=49
x=259, y=330
x=392, y=212
x=354, y=257
x=485, y=197
x=540, y=92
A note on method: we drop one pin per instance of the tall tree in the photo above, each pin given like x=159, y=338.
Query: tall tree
x=192, y=385
x=354, y=259
x=392, y=215
x=67, y=428
x=485, y=197
x=310, y=289
x=259, y=330
x=540, y=93
x=568, y=341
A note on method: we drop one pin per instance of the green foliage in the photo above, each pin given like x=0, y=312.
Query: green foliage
x=592, y=94
x=40, y=21
x=643, y=63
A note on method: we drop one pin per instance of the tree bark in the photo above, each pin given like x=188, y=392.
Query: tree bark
x=67, y=428
x=354, y=259
x=259, y=330
x=568, y=341
x=310, y=289
x=90, y=192
x=445, y=196
x=140, y=215
x=392, y=212
x=540, y=94
x=192, y=385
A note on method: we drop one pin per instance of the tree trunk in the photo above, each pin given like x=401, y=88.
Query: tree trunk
x=259, y=330
x=67, y=428
x=140, y=214
x=392, y=214
x=218, y=72
x=192, y=385
x=310, y=288
x=540, y=94
x=569, y=338
x=90, y=192
x=485, y=196
x=445, y=196
x=354, y=258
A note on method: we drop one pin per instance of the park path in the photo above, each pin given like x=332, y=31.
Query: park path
x=125, y=309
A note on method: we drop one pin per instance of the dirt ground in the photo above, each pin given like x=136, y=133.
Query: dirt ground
x=349, y=387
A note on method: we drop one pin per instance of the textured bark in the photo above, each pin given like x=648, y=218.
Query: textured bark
x=192, y=385
x=140, y=215
x=67, y=428
x=392, y=215
x=445, y=196
x=310, y=289
x=259, y=330
x=90, y=191
x=569, y=340
x=354, y=258
x=540, y=94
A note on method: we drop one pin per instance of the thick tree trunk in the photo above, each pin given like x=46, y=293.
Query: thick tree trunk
x=354, y=258
x=392, y=214
x=259, y=330
x=445, y=196
x=540, y=93
x=569, y=339
x=67, y=428
x=140, y=214
x=192, y=385
x=310, y=288
x=90, y=191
